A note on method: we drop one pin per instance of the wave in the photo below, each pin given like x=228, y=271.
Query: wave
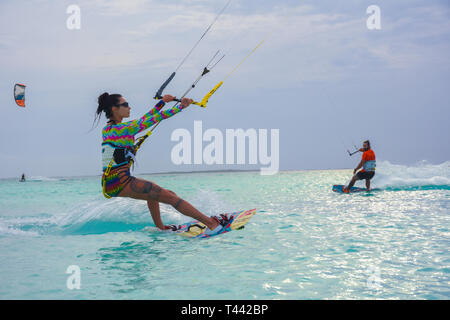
x=94, y=217
x=6, y=229
x=42, y=178
x=421, y=176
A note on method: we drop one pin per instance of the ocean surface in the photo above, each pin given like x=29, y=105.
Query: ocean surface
x=305, y=241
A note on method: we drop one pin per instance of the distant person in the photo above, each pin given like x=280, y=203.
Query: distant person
x=367, y=163
x=23, y=178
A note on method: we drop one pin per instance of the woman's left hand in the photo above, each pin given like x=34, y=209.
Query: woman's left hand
x=167, y=98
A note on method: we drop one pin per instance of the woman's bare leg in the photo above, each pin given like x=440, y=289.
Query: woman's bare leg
x=153, y=206
x=146, y=190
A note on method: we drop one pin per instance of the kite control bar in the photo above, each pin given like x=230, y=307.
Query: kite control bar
x=354, y=152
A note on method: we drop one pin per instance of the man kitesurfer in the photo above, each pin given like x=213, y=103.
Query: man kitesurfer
x=367, y=163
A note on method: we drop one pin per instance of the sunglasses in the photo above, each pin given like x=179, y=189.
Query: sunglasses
x=125, y=104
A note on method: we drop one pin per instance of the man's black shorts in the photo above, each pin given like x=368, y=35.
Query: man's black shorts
x=365, y=175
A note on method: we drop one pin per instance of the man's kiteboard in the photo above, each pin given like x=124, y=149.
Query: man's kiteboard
x=340, y=189
x=196, y=229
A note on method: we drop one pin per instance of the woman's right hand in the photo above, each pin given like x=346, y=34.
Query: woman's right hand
x=170, y=227
x=185, y=102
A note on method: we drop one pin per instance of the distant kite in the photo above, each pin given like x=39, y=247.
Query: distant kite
x=19, y=94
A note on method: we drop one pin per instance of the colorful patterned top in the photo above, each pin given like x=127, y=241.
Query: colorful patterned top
x=122, y=134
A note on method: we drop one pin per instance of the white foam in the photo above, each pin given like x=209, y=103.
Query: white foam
x=5, y=230
x=98, y=209
x=117, y=209
x=40, y=178
x=421, y=174
x=211, y=202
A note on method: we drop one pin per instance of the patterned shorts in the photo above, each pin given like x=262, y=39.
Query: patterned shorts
x=117, y=179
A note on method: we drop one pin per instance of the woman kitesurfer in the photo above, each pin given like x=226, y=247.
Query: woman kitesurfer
x=118, y=154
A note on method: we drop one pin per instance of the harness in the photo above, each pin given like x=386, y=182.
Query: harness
x=114, y=157
x=370, y=165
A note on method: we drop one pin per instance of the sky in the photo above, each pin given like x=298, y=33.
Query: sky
x=322, y=79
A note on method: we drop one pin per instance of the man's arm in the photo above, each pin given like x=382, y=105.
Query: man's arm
x=360, y=165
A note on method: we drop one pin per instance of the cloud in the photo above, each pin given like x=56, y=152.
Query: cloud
x=306, y=44
x=119, y=7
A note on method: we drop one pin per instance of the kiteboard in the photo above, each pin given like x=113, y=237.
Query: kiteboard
x=340, y=189
x=196, y=229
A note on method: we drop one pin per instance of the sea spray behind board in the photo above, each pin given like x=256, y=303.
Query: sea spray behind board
x=423, y=174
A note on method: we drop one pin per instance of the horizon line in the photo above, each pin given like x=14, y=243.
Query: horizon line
x=180, y=172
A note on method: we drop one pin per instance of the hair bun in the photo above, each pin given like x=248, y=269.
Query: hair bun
x=103, y=99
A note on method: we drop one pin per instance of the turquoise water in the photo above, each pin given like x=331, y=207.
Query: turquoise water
x=305, y=242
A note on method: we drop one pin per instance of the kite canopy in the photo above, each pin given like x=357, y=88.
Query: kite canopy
x=19, y=94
